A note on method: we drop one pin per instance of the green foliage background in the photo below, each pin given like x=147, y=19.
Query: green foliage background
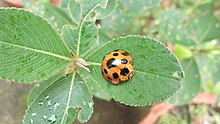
x=39, y=48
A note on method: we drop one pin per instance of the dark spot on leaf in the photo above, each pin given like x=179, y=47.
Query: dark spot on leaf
x=109, y=63
x=124, y=71
x=115, y=54
x=115, y=75
x=125, y=54
x=106, y=72
x=124, y=61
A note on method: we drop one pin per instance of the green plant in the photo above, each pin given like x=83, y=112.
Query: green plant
x=32, y=51
x=61, y=49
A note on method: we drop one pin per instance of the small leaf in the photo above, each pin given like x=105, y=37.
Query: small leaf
x=177, y=28
x=30, y=49
x=80, y=9
x=75, y=10
x=120, y=25
x=103, y=13
x=38, y=88
x=157, y=73
x=88, y=38
x=53, y=103
x=56, y=16
x=137, y=7
x=191, y=83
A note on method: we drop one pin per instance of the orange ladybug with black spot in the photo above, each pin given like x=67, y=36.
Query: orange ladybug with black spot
x=117, y=66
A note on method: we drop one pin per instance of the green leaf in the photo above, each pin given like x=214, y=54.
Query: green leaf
x=72, y=114
x=157, y=71
x=191, y=83
x=56, y=16
x=209, y=68
x=137, y=7
x=120, y=25
x=89, y=41
x=102, y=13
x=53, y=103
x=80, y=9
x=39, y=87
x=75, y=10
x=30, y=49
x=88, y=38
x=178, y=28
x=182, y=52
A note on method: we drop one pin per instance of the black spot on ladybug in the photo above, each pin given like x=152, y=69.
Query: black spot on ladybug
x=115, y=75
x=125, y=54
x=102, y=73
x=109, y=79
x=106, y=72
x=115, y=54
x=124, y=61
x=124, y=71
x=109, y=63
x=116, y=50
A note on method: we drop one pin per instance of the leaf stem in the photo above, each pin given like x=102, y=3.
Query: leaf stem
x=94, y=63
x=69, y=97
x=80, y=31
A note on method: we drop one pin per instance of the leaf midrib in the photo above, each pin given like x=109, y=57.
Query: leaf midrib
x=147, y=73
x=37, y=51
x=69, y=98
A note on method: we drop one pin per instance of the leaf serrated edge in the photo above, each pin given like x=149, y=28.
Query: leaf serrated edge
x=151, y=103
x=151, y=39
x=114, y=9
x=38, y=16
x=143, y=37
x=38, y=96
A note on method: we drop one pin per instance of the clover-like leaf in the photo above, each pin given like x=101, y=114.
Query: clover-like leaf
x=157, y=73
x=56, y=16
x=120, y=25
x=30, y=49
x=39, y=87
x=89, y=41
x=191, y=83
x=53, y=103
x=88, y=38
x=102, y=13
x=177, y=28
x=137, y=7
x=80, y=9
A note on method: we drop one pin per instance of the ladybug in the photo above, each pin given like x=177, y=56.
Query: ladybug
x=117, y=66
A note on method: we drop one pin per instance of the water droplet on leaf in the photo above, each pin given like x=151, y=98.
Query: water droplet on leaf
x=49, y=103
x=31, y=120
x=46, y=97
x=52, y=118
x=90, y=105
x=56, y=105
x=41, y=103
x=33, y=114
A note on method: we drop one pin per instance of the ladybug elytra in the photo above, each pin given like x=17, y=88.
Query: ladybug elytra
x=117, y=66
